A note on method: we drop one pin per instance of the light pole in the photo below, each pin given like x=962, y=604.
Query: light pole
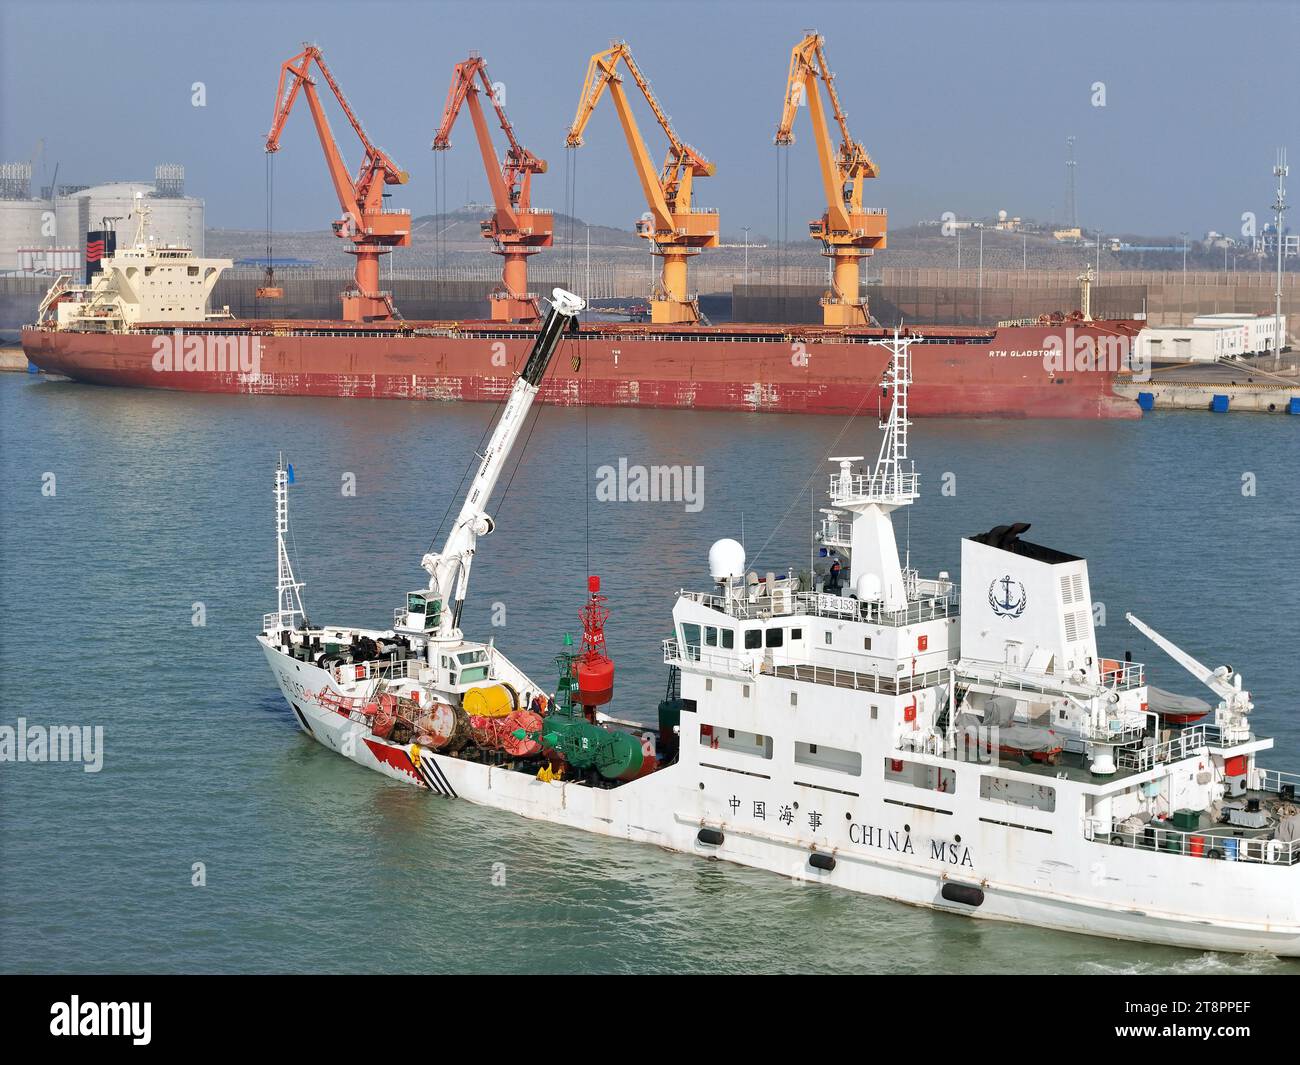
x=1182, y=300
x=587, y=290
x=1280, y=171
x=745, y=229
x=1024, y=253
x=979, y=312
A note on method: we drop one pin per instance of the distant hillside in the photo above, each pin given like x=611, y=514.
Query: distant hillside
x=454, y=240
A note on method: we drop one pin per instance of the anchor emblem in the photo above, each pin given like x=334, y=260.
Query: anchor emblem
x=1007, y=597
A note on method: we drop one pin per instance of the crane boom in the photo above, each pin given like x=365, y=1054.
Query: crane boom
x=365, y=222
x=676, y=231
x=848, y=232
x=1235, y=702
x=516, y=229
x=449, y=568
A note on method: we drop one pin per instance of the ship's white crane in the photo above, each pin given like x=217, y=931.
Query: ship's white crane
x=449, y=568
x=1234, y=705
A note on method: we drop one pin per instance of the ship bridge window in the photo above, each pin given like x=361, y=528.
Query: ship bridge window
x=193, y=271
x=690, y=642
x=753, y=639
x=774, y=637
x=710, y=636
x=728, y=638
x=473, y=666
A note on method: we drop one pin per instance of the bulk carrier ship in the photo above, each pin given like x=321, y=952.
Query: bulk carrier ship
x=142, y=321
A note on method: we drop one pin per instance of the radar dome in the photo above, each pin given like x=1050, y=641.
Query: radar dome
x=726, y=560
x=869, y=588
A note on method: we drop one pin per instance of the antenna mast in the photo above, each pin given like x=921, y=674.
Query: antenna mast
x=872, y=496
x=289, y=614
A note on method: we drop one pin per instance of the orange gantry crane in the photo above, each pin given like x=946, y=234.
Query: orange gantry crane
x=848, y=231
x=676, y=230
x=516, y=228
x=372, y=229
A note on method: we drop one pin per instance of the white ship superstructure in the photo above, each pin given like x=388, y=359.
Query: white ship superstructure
x=846, y=726
x=145, y=282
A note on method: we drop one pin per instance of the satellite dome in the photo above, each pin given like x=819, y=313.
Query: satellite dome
x=726, y=560
x=870, y=588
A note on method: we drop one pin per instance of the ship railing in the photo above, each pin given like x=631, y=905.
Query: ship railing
x=878, y=683
x=756, y=663
x=883, y=483
x=1124, y=675
x=377, y=669
x=927, y=608
x=1276, y=781
x=828, y=605
x=1202, y=844
x=1184, y=745
x=1032, y=680
x=836, y=533
x=693, y=655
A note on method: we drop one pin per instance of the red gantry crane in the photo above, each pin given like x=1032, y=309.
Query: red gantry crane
x=848, y=231
x=516, y=228
x=372, y=229
x=676, y=230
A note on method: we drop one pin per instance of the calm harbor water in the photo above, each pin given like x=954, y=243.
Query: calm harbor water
x=163, y=510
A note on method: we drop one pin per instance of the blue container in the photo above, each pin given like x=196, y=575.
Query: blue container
x=1230, y=848
x=1219, y=404
x=1294, y=406
x=1147, y=400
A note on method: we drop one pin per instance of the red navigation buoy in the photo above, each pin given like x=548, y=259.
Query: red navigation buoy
x=593, y=670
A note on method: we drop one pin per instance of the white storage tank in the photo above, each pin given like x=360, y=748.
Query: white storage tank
x=22, y=218
x=174, y=219
x=21, y=228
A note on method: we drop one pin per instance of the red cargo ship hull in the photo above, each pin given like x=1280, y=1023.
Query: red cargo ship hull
x=957, y=372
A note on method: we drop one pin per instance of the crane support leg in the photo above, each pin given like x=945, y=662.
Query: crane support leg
x=512, y=302
x=367, y=303
x=672, y=304
x=845, y=304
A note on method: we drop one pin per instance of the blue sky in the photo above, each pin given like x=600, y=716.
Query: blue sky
x=965, y=106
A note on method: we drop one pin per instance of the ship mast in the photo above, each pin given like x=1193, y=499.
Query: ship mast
x=876, y=575
x=449, y=568
x=289, y=613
